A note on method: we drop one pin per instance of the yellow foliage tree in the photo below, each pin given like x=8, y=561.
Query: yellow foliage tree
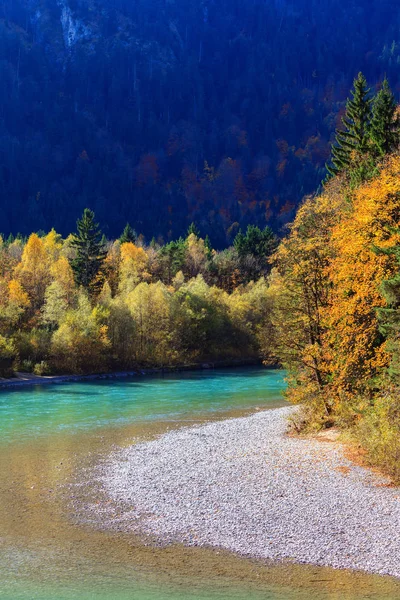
x=13, y=303
x=134, y=264
x=149, y=305
x=33, y=272
x=52, y=243
x=356, y=273
x=81, y=342
x=61, y=272
x=300, y=291
x=196, y=255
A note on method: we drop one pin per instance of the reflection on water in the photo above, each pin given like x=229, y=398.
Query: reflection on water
x=44, y=555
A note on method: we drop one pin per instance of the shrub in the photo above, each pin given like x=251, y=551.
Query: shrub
x=27, y=366
x=379, y=433
x=42, y=368
x=33, y=346
x=8, y=357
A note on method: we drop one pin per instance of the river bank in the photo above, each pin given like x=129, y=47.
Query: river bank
x=243, y=485
x=28, y=379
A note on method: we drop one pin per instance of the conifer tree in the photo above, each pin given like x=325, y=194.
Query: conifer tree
x=193, y=229
x=355, y=135
x=90, y=251
x=208, y=247
x=385, y=123
x=173, y=256
x=389, y=317
x=128, y=235
x=256, y=242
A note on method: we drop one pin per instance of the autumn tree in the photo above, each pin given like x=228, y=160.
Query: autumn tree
x=62, y=273
x=81, y=343
x=66, y=308
x=196, y=255
x=300, y=292
x=121, y=333
x=149, y=305
x=14, y=301
x=133, y=268
x=225, y=269
x=53, y=245
x=201, y=319
x=356, y=274
x=250, y=308
x=33, y=271
x=55, y=305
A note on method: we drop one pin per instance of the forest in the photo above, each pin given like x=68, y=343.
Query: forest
x=335, y=288
x=85, y=304
x=207, y=127
x=165, y=113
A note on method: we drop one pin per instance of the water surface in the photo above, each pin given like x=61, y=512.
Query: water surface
x=50, y=435
x=69, y=408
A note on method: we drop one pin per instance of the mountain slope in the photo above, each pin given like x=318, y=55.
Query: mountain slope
x=164, y=112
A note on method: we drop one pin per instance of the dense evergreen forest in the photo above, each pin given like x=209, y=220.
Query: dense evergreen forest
x=166, y=112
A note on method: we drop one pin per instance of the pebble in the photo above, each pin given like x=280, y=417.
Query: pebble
x=244, y=485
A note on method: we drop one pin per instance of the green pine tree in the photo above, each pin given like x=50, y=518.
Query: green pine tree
x=128, y=235
x=256, y=242
x=389, y=317
x=90, y=252
x=193, y=229
x=208, y=247
x=385, y=123
x=354, y=137
x=173, y=256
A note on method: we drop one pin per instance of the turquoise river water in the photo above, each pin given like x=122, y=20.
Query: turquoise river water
x=51, y=434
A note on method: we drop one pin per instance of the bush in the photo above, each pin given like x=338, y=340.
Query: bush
x=33, y=346
x=42, y=368
x=379, y=433
x=8, y=357
x=27, y=366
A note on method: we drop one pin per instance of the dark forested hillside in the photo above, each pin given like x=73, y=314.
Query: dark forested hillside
x=164, y=112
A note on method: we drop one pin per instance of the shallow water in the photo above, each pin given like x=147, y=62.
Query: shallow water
x=69, y=408
x=50, y=434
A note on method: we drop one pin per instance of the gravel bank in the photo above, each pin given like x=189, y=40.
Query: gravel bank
x=244, y=486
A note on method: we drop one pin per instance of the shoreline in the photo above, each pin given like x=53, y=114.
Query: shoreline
x=29, y=379
x=244, y=486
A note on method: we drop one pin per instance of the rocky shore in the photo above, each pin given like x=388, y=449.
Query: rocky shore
x=245, y=486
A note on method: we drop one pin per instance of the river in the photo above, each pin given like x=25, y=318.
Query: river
x=50, y=435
